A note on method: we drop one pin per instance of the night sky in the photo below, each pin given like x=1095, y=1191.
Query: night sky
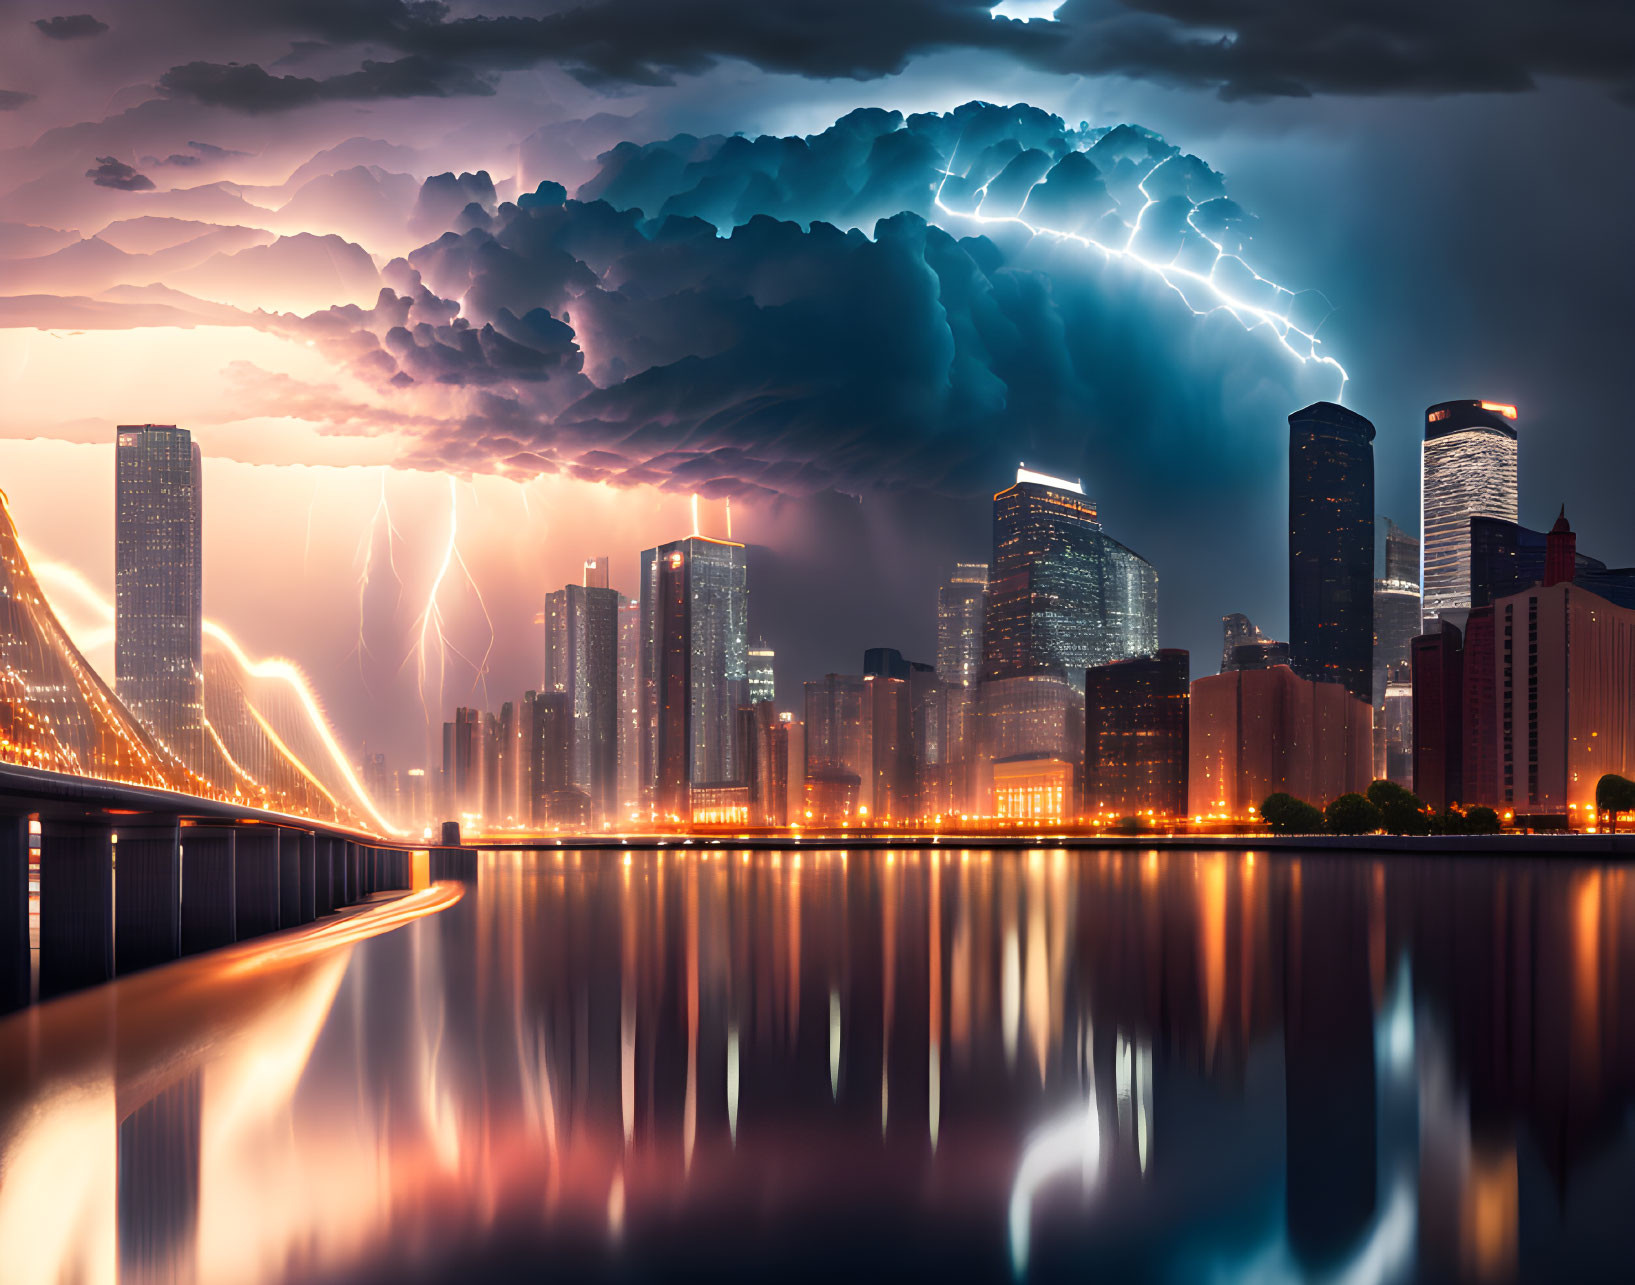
x=634, y=251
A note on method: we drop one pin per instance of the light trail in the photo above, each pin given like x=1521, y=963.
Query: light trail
x=274, y=668
x=367, y=549
x=1251, y=316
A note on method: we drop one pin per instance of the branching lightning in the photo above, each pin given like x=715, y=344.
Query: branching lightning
x=430, y=625
x=1301, y=344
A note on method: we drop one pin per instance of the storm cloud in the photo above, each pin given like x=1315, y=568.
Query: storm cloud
x=250, y=88
x=1241, y=49
x=71, y=26
x=110, y=171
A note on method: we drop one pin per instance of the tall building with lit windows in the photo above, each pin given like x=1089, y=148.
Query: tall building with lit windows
x=1467, y=470
x=582, y=660
x=159, y=584
x=960, y=604
x=695, y=666
x=1062, y=594
x=1331, y=547
x=763, y=683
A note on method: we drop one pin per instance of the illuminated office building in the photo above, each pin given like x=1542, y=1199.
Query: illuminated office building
x=158, y=584
x=554, y=799
x=960, y=606
x=1467, y=470
x=1135, y=736
x=581, y=660
x=695, y=661
x=1062, y=594
x=463, y=761
x=630, y=707
x=1396, y=625
x=839, y=747
x=1331, y=547
x=763, y=685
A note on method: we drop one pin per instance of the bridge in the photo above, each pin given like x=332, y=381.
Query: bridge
x=133, y=876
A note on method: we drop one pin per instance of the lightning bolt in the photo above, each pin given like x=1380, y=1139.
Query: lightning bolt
x=1248, y=314
x=432, y=636
x=366, y=550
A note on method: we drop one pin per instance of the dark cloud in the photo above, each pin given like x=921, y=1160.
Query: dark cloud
x=1241, y=49
x=720, y=333
x=250, y=88
x=71, y=27
x=12, y=99
x=110, y=171
x=211, y=152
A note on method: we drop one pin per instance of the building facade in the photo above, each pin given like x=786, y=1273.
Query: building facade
x=1396, y=625
x=1260, y=732
x=1062, y=594
x=582, y=662
x=960, y=607
x=1467, y=470
x=695, y=665
x=1135, y=737
x=159, y=585
x=763, y=681
x=1331, y=547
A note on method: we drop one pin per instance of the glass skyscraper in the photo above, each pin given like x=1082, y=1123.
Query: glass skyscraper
x=1396, y=624
x=1467, y=470
x=1331, y=547
x=581, y=660
x=960, y=604
x=1062, y=594
x=159, y=584
x=695, y=665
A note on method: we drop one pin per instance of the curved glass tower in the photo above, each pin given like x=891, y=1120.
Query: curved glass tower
x=1468, y=469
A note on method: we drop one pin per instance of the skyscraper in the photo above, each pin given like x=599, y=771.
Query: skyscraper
x=763, y=684
x=630, y=706
x=1467, y=469
x=581, y=660
x=158, y=584
x=1331, y=547
x=1135, y=736
x=695, y=660
x=1237, y=630
x=1396, y=624
x=960, y=605
x=1062, y=594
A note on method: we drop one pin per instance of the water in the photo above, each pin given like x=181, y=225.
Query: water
x=1090, y=1065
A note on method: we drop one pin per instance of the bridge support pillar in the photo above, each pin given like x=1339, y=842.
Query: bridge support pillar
x=209, y=888
x=349, y=862
x=324, y=875
x=309, y=876
x=15, y=981
x=147, y=894
x=255, y=859
x=289, y=878
x=76, y=905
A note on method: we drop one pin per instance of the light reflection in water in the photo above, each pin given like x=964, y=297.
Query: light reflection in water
x=1213, y=1066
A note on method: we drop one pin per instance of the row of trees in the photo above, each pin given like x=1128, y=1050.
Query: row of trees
x=1387, y=806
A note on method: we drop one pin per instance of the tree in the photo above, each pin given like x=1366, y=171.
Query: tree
x=1614, y=794
x=1481, y=820
x=1401, y=810
x=1286, y=814
x=1352, y=814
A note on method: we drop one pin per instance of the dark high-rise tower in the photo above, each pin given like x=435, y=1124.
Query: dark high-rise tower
x=158, y=584
x=1331, y=547
x=1135, y=736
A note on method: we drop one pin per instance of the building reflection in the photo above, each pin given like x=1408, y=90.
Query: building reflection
x=997, y=1062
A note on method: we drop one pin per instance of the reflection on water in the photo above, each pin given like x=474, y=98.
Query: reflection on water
x=1125, y=1065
